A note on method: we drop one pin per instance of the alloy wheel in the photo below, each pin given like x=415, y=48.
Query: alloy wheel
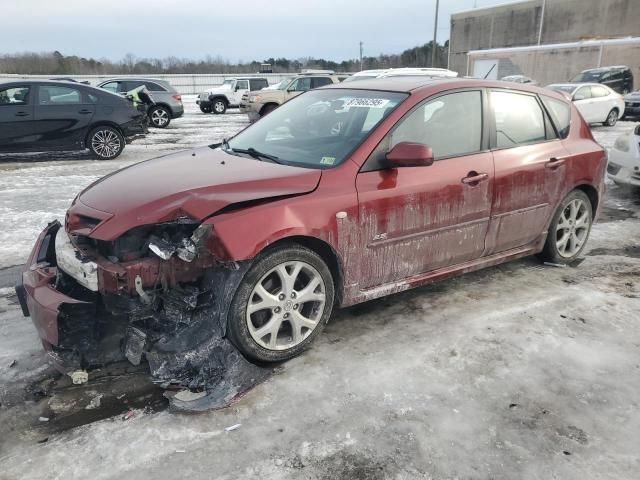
x=612, y=118
x=159, y=117
x=106, y=143
x=286, y=305
x=218, y=106
x=573, y=228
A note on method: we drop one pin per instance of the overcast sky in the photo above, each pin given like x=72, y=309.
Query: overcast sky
x=234, y=29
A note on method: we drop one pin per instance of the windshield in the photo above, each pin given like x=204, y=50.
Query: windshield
x=318, y=129
x=284, y=83
x=588, y=76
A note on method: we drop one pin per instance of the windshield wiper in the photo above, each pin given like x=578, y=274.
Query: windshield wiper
x=256, y=154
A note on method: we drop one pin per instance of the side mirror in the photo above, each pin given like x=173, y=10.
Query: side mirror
x=407, y=154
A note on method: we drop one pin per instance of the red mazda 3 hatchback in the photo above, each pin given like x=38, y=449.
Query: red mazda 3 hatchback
x=342, y=195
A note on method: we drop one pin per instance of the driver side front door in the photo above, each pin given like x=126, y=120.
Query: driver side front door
x=419, y=219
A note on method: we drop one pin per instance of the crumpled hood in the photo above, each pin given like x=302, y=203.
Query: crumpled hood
x=194, y=184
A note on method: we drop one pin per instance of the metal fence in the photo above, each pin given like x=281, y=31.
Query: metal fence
x=185, y=83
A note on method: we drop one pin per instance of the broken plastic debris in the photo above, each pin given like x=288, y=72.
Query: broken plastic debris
x=188, y=395
x=79, y=377
x=128, y=415
x=44, y=419
x=558, y=265
x=13, y=363
x=233, y=427
x=94, y=403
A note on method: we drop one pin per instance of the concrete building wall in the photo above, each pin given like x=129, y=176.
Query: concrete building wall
x=554, y=65
x=518, y=24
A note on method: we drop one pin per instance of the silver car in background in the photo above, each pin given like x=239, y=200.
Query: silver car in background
x=168, y=102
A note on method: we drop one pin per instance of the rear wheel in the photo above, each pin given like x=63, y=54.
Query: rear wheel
x=612, y=118
x=105, y=142
x=219, y=106
x=282, y=304
x=569, y=229
x=160, y=116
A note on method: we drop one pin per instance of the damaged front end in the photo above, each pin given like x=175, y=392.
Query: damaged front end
x=155, y=293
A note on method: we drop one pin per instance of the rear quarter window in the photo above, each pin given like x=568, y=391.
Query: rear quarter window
x=560, y=113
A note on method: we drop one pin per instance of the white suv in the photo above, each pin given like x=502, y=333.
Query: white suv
x=229, y=94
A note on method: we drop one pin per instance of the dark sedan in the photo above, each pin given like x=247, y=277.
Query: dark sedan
x=632, y=105
x=57, y=115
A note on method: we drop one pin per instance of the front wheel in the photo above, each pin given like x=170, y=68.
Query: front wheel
x=282, y=304
x=160, y=117
x=569, y=229
x=612, y=118
x=219, y=106
x=105, y=143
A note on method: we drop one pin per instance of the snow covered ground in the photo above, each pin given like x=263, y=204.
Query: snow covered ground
x=518, y=371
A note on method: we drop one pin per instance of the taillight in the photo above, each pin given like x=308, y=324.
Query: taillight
x=178, y=97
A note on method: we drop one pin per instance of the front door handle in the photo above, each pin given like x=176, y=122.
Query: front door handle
x=22, y=114
x=84, y=112
x=474, y=178
x=554, y=162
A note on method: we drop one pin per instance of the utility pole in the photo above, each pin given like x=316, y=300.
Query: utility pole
x=544, y=4
x=435, y=33
x=360, y=55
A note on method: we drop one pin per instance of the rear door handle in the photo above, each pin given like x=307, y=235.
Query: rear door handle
x=85, y=111
x=554, y=162
x=22, y=114
x=473, y=178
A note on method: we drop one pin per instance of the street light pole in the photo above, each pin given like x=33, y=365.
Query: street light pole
x=360, y=55
x=435, y=33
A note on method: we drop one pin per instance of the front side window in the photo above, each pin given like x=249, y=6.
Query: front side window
x=318, y=129
x=14, y=96
x=54, y=95
x=583, y=93
x=242, y=85
x=111, y=87
x=301, y=85
x=519, y=119
x=560, y=114
x=451, y=125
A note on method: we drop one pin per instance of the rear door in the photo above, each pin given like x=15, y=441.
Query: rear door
x=529, y=170
x=62, y=116
x=418, y=219
x=16, y=118
x=242, y=87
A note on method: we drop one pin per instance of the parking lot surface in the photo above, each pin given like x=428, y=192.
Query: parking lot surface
x=517, y=371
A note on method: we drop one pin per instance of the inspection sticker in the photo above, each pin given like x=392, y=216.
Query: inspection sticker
x=367, y=102
x=328, y=160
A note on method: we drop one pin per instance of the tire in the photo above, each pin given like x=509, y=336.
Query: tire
x=159, y=116
x=105, y=142
x=205, y=109
x=267, y=109
x=612, y=118
x=285, y=309
x=218, y=106
x=569, y=229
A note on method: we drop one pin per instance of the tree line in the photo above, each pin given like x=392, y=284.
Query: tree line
x=55, y=63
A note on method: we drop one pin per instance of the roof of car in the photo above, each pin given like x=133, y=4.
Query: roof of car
x=577, y=84
x=604, y=69
x=143, y=79
x=411, y=84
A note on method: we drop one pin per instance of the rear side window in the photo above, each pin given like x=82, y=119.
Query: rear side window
x=111, y=86
x=14, y=96
x=320, y=82
x=599, y=91
x=258, y=84
x=560, y=114
x=519, y=119
x=54, y=95
x=154, y=87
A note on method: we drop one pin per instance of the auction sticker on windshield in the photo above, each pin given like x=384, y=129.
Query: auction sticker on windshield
x=367, y=102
